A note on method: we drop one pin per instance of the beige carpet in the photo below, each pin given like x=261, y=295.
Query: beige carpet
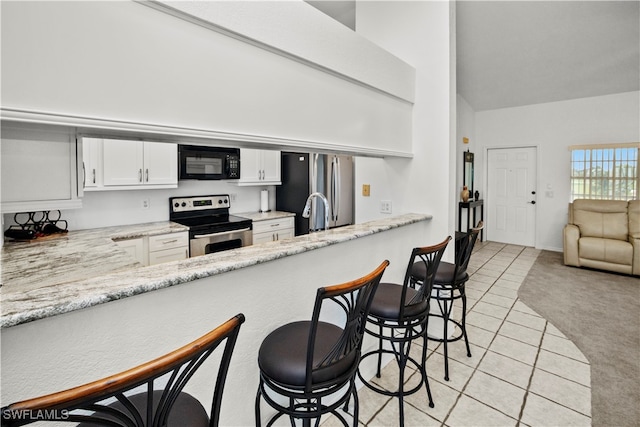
x=600, y=313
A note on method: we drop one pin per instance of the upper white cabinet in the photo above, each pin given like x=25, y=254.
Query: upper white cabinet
x=116, y=164
x=40, y=168
x=259, y=167
x=92, y=162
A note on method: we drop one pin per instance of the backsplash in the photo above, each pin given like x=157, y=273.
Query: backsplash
x=109, y=208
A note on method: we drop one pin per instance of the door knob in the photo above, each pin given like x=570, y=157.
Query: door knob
x=533, y=202
x=533, y=192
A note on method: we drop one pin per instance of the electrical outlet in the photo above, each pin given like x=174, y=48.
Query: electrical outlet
x=385, y=206
x=145, y=203
x=232, y=197
x=366, y=190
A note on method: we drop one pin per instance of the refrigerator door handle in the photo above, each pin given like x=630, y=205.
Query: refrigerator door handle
x=336, y=188
x=314, y=188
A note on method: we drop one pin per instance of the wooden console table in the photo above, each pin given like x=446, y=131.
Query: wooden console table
x=469, y=206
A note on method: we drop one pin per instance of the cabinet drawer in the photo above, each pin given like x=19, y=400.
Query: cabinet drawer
x=272, y=225
x=158, y=257
x=169, y=241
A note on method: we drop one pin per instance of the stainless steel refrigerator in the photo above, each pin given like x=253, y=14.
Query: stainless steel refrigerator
x=306, y=173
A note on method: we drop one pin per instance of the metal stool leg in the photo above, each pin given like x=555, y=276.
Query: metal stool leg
x=464, y=318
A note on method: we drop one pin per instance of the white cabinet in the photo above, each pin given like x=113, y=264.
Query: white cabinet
x=92, y=162
x=40, y=167
x=139, y=163
x=259, y=167
x=129, y=165
x=168, y=247
x=135, y=248
x=152, y=250
x=272, y=229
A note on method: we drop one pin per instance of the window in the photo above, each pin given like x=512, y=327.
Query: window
x=608, y=172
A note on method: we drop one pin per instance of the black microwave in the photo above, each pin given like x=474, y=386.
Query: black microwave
x=202, y=162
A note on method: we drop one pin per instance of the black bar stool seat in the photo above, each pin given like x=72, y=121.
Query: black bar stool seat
x=287, y=364
x=186, y=411
x=385, y=304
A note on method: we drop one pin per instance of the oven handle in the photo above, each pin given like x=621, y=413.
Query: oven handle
x=202, y=236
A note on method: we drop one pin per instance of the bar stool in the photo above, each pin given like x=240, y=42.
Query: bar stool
x=448, y=286
x=304, y=362
x=90, y=404
x=399, y=315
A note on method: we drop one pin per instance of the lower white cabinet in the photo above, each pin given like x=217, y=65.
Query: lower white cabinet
x=168, y=247
x=271, y=230
x=157, y=249
x=135, y=248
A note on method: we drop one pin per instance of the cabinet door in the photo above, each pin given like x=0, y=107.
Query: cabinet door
x=259, y=167
x=160, y=163
x=135, y=248
x=123, y=162
x=285, y=234
x=39, y=168
x=250, y=166
x=271, y=167
x=92, y=162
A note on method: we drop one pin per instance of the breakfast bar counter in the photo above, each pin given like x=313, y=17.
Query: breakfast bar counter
x=85, y=268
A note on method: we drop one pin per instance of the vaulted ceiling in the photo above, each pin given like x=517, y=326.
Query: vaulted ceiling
x=513, y=53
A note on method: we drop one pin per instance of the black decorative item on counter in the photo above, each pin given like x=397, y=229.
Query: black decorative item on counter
x=476, y=195
x=31, y=225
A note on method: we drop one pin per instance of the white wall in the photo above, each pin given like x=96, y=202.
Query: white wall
x=418, y=33
x=107, y=208
x=552, y=128
x=124, y=65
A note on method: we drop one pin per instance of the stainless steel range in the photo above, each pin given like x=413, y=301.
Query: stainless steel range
x=211, y=228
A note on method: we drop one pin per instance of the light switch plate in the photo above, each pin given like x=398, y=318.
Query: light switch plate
x=366, y=190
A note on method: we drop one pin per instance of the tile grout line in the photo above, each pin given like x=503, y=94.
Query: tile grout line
x=535, y=362
x=475, y=369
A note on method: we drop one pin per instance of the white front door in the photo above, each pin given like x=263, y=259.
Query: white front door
x=511, y=195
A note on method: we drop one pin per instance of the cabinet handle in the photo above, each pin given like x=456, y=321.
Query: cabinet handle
x=84, y=176
x=275, y=225
x=146, y=174
x=94, y=175
x=139, y=175
x=166, y=242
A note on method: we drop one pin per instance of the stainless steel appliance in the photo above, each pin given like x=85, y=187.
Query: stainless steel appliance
x=211, y=228
x=306, y=173
x=208, y=163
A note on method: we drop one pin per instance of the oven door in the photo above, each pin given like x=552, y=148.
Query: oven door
x=202, y=244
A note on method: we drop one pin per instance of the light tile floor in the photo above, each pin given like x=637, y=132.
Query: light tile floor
x=523, y=370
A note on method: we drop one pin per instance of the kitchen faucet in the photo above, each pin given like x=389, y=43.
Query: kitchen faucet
x=307, y=208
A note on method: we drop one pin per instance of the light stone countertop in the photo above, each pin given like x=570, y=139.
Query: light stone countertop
x=83, y=269
x=263, y=216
